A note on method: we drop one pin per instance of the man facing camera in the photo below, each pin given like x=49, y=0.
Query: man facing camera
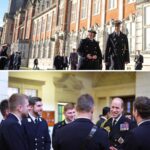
x=36, y=127
x=82, y=134
x=139, y=137
x=90, y=53
x=12, y=135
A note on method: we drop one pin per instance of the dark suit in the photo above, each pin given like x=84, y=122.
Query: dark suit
x=12, y=135
x=119, y=132
x=89, y=47
x=3, y=58
x=138, y=62
x=58, y=62
x=73, y=60
x=139, y=138
x=37, y=134
x=117, y=51
x=73, y=135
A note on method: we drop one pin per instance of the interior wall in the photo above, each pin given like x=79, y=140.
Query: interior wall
x=3, y=86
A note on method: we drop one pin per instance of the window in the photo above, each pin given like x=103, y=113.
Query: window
x=84, y=9
x=73, y=12
x=96, y=7
x=112, y=4
x=12, y=90
x=60, y=111
x=48, y=26
x=30, y=92
x=147, y=29
x=131, y=1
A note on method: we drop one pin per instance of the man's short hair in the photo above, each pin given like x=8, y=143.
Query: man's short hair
x=69, y=106
x=106, y=110
x=85, y=103
x=33, y=100
x=15, y=100
x=4, y=106
x=142, y=105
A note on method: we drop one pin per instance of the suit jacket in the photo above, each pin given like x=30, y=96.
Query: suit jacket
x=73, y=135
x=138, y=62
x=12, y=135
x=139, y=138
x=119, y=132
x=37, y=134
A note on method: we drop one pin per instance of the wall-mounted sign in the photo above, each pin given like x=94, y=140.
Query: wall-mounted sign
x=49, y=116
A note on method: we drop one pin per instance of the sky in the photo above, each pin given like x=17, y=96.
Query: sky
x=3, y=9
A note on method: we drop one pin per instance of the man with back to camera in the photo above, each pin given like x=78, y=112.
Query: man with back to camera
x=117, y=50
x=69, y=113
x=36, y=127
x=139, y=137
x=12, y=135
x=82, y=134
x=90, y=53
x=118, y=126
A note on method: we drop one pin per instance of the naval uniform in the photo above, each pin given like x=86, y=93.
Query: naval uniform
x=74, y=136
x=91, y=47
x=117, y=51
x=12, y=134
x=37, y=133
x=118, y=131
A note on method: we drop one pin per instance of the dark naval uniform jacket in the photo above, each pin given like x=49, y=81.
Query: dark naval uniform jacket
x=89, y=47
x=37, y=134
x=119, y=132
x=12, y=135
x=117, y=51
x=74, y=135
x=139, y=138
x=56, y=127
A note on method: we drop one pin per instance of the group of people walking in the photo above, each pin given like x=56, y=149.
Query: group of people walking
x=116, y=55
x=9, y=61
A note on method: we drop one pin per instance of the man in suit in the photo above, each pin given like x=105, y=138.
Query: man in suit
x=58, y=62
x=12, y=135
x=118, y=126
x=117, y=50
x=82, y=134
x=90, y=53
x=73, y=59
x=36, y=127
x=69, y=113
x=104, y=117
x=139, y=137
x=138, y=61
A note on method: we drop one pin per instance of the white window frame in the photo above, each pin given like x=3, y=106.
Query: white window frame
x=84, y=9
x=112, y=4
x=96, y=7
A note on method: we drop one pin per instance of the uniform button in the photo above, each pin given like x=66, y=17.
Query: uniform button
x=42, y=137
x=35, y=139
x=36, y=149
x=36, y=144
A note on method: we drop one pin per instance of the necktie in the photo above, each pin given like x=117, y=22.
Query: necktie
x=36, y=120
x=114, y=123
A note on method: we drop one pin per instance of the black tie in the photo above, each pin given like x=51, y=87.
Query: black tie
x=114, y=122
x=36, y=121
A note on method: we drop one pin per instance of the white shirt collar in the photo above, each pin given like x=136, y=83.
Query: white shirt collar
x=32, y=117
x=104, y=117
x=19, y=120
x=117, y=119
x=143, y=122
